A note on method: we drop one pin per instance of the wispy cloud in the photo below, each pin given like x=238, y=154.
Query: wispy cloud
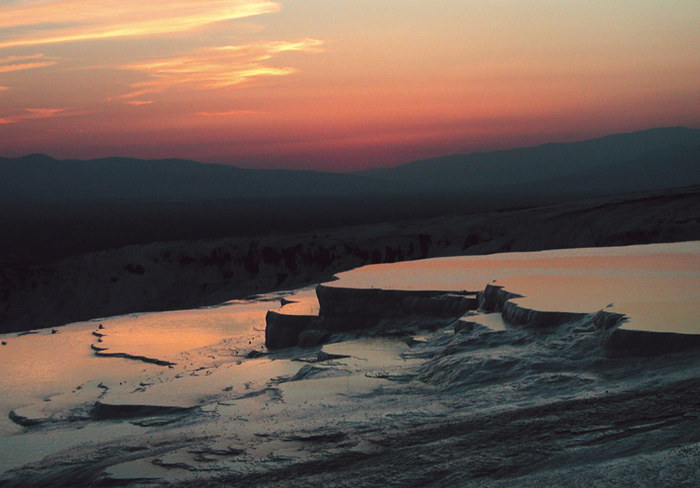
x=43, y=113
x=139, y=102
x=217, y=67
x=227, y=113
x=36, y=113
x=59, y=21
x=9, y=64
x=14, y=59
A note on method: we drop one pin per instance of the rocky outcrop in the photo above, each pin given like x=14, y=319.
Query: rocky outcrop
x=495, y=298
x=606, y=320
x=283, y=330
x=173, y=275
x=620, y=340
x=375, y=302
x=630, y=342
x=515, y=314
x=106, y=411
x=166, y=276
x=377, y=310
x=351, y=309
x=617, y=341
x=23, y=420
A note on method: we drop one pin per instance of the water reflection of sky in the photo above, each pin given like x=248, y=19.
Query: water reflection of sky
x=49, y=375
x=39, y=366
x=656, y=286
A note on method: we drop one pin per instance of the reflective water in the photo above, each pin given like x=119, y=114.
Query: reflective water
x=263, y=403
x=656, y=286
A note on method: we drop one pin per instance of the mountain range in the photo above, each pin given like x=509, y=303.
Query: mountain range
x=650, y=159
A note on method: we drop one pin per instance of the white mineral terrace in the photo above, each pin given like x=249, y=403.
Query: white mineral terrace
x=189, y=395
x=657, y=287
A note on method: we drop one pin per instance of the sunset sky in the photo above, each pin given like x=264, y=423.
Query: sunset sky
x=338, y=84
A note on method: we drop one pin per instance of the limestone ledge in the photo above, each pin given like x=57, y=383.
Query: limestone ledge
x=382, y=310
x=352, y=309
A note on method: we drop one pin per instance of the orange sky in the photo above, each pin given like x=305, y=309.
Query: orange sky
x=336, y=84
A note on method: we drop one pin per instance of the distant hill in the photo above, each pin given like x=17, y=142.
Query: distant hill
x=592, y=162
x=671, y=167
x=38, y=177
x=650, y=159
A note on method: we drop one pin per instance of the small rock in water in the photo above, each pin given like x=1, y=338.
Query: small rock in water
x=306, y=372
x=324, y=356
x=4, y=343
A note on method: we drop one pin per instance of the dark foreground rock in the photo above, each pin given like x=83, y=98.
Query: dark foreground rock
x=175, y=275
x=351, y=309
x=391, y=312
x=622, y=341
x=105, y=411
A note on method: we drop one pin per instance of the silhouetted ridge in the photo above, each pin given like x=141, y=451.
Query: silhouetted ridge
x=488, y=170
x=655, y=158
x=37, y=158
x=672, y=167
x=41, y=178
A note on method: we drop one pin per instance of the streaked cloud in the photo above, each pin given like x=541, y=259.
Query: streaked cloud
x=39, y=23
x=217, y=67
x=43, y=113
x=15, y=59
x=36, y=113
x=9, y=64
x=228, y=113
x=138, y=103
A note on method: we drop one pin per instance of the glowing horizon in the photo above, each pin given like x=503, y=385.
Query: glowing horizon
x=332, y=85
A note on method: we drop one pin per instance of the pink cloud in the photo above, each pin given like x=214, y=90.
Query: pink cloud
x=227, y=113
x=82, y=20
x=9, y=64
x=37, y=113
x=217, y=67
